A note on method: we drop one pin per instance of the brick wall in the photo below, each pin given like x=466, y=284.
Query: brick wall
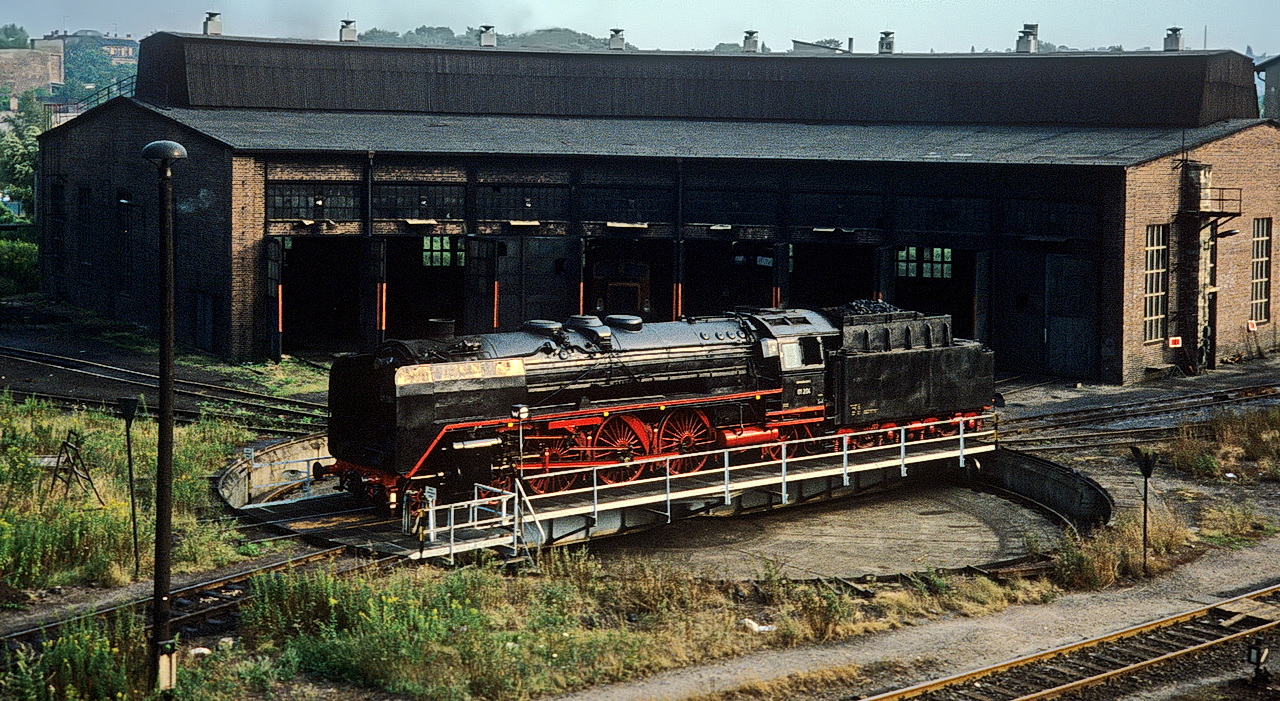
x=92, y=261
x=1249, y=160
x=250, y=313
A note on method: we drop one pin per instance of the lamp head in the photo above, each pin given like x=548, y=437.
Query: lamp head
x=128, y=407
x=162, y=152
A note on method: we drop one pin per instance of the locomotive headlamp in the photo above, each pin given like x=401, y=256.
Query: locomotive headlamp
x=319, y=201
x=520, y=411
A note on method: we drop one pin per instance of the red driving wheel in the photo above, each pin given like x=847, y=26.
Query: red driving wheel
x=620, y=438
x=685, y=431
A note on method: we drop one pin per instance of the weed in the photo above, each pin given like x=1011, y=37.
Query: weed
x=51, y=535
x=1116, y=552
x=1234, y=525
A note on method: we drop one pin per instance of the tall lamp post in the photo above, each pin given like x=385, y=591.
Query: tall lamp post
x=164, y=663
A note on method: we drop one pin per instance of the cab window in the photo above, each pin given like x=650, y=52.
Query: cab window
x=790, y=354
x=801, y=352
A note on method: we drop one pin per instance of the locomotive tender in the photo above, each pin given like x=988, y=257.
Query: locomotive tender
x=531, y=404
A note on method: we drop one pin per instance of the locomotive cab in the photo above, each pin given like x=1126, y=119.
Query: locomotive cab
x=794, y=345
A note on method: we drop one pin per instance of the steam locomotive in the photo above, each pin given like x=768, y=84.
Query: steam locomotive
x=552, y=397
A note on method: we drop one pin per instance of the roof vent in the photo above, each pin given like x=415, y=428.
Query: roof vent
x=751, y=42
x=1173, y=40
x=213, y=23
x=348, y=31
x=488, y=37
x=1028, y=39
x=886, y=43
x=616, y=41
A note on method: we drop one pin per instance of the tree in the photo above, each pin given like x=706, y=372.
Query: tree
x=89, y=64
x=434, y=36
x=19, y=148
x=13, y=37
x=831, y=43
x=381, y=36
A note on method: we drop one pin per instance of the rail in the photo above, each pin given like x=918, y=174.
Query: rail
x=1143, y=652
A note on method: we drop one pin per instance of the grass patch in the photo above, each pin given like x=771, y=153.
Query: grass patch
x=1238, y=445
x=1115, y=552
x=1234, y=525
x=476, y=632
x=53, y=535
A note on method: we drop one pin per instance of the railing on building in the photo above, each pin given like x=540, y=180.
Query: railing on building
x=61, y=112
x=1218, y=200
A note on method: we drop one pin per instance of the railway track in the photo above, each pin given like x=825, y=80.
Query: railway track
x=1107, y=658
x=212, y=603
x=1130, y=410
x=277, y=414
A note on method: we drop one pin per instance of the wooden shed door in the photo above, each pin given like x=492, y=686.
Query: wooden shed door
x=1071, y=308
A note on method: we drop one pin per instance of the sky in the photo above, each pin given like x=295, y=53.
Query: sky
x=919, y=25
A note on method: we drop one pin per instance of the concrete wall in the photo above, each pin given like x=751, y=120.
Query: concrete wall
x=1068, y=492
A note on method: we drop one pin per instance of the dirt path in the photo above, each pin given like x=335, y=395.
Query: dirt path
x=953, y=644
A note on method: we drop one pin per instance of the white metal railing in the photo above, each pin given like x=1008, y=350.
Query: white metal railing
x=791, y=456
x=448, y=529
x=460, y=526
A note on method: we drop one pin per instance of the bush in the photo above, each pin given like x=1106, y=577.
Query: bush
x=18, y=268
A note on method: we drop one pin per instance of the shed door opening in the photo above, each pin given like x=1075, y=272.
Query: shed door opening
x=320, y=294
x=936, y=280
x=424, y=280
x=512, y=279
x=719, y=276
x=628, y=276
x=829, y=274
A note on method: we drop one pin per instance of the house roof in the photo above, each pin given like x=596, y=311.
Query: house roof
x=249, y=130
x=1267, y=63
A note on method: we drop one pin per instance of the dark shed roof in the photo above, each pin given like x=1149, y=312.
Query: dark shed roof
x=346, y=132
x=1187, y=88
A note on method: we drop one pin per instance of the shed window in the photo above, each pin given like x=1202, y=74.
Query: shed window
x=522, y=202
x=1155, y=283
x=934, y=263
x=419, y=201
x=1260, y=277
x=442, y=252
x=315, y=201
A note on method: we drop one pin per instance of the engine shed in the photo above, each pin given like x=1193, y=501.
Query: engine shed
x=1087, y=215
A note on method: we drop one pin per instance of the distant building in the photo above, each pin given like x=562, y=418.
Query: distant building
x=1096, y=215
x=121, y=50
x=24, y=69
x=1270, y=70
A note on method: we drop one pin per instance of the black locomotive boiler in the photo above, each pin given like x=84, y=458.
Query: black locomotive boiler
x=554, y=397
